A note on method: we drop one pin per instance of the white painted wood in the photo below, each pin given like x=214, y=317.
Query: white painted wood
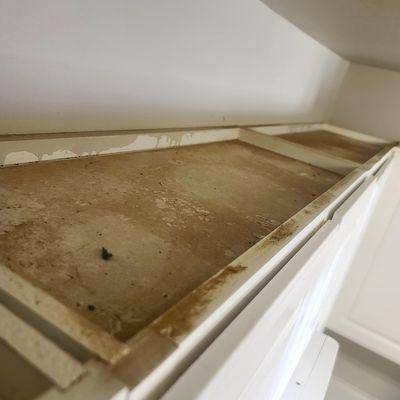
x=351, y=217
x=313, y=373
x=317, y=274
x=353, y=134
x=260, y=350
x=52, y=361
x=366, y=371
x=32, y=148
x=67, y=320
x=189, y=343
x=274, y=130
x=21, y=149
x=369, y=300
x=98, y=384
x=341, y=390
x=297, y=151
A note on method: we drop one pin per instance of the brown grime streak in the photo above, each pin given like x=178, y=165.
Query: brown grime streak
x=179, y=320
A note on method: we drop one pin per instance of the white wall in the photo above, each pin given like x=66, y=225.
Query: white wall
x=369, y=102
x=97, y=65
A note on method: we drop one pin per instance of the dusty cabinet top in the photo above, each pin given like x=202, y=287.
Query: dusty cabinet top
x=170, y=218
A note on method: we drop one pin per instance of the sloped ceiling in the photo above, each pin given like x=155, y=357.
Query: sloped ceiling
x=362, y=31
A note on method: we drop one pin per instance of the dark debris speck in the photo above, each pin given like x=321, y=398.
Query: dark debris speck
x=105, y=254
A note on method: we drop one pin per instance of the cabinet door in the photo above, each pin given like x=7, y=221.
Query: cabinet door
x=313, y=373
x=256, y=355
x=368, y=307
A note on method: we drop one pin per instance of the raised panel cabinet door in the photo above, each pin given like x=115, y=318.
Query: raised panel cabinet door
x=368, y=307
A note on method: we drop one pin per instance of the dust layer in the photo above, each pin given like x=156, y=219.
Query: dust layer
x=336, y=145
x=171, y=219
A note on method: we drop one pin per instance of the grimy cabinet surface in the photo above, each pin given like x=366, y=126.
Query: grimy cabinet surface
x=335, y=145
x=170, y=218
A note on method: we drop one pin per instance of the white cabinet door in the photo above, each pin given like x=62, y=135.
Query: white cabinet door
x=257, y=354
x=368, y=308
x=312, y=376
x=255, y=357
